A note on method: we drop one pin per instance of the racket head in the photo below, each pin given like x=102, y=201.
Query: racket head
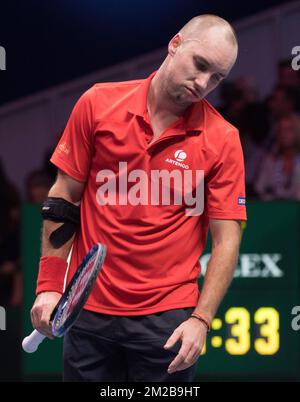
x=78, y=291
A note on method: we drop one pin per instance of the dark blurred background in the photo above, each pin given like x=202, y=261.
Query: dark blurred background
x=55, y=50
x=50, y=42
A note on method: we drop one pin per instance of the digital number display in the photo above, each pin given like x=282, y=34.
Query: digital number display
x=237, y=321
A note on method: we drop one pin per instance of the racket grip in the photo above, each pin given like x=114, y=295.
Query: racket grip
x=31, y=342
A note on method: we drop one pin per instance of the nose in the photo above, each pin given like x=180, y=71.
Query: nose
x=201, y=82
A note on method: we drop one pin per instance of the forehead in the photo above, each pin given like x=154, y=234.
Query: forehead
x=214, y=47
x=217, y=60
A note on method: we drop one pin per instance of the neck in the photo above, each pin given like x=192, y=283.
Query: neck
x=159, y=103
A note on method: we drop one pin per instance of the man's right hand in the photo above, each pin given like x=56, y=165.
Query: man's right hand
x=41, y=311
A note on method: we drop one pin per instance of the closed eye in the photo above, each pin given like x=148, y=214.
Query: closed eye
x=201, y=66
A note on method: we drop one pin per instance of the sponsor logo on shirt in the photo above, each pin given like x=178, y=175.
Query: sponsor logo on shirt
x=242, y=201
x=180, y=156
x=63, y=147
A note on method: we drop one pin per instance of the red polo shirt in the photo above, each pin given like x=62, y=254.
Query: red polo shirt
x=153, y=242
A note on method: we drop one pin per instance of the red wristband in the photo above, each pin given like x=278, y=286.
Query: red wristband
x=51, y=275
x=203, y=319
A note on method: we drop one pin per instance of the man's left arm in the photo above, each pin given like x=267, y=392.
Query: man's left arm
x=226, y=237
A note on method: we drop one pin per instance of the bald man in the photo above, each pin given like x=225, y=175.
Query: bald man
x=153, y=167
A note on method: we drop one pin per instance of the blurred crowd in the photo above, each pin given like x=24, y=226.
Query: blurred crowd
x=269, y=132
x=37, y=186
x=270, y=136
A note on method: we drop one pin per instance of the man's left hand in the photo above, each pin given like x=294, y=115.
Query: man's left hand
x=192, y=334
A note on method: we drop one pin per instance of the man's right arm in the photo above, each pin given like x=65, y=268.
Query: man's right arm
x=71, y=190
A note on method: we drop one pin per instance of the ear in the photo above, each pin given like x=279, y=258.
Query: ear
x=174, y=43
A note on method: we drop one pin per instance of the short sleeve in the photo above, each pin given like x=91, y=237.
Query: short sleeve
x=74, y=151
x=225, y=183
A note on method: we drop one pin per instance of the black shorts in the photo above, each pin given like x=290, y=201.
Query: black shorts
x=102, y=347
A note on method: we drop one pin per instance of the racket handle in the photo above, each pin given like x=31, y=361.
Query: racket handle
x=31, y=342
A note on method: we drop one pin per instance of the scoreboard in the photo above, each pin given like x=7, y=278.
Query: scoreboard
x=252, y=336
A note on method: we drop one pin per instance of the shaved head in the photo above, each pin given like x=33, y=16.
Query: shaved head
x=200, y=56
x=195, y=28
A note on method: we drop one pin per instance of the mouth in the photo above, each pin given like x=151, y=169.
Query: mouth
x=192, y=92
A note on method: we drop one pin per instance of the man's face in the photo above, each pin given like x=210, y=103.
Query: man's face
x=198, y=66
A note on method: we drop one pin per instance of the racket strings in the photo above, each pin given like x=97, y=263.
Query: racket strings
x=75, y=292
x=78, y=290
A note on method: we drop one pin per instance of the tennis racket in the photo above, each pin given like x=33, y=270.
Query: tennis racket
x=73, y=299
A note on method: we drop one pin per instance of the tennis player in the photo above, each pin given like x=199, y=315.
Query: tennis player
x=147, y=167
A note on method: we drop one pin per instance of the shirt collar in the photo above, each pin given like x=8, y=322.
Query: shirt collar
x=192, y=120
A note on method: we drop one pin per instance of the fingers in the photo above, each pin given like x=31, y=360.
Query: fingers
x=187, y=356
x=40, y=317
x=173, y=339
x=193, y=338
x=190, y=359
x=181, y=357
x=41, y=312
